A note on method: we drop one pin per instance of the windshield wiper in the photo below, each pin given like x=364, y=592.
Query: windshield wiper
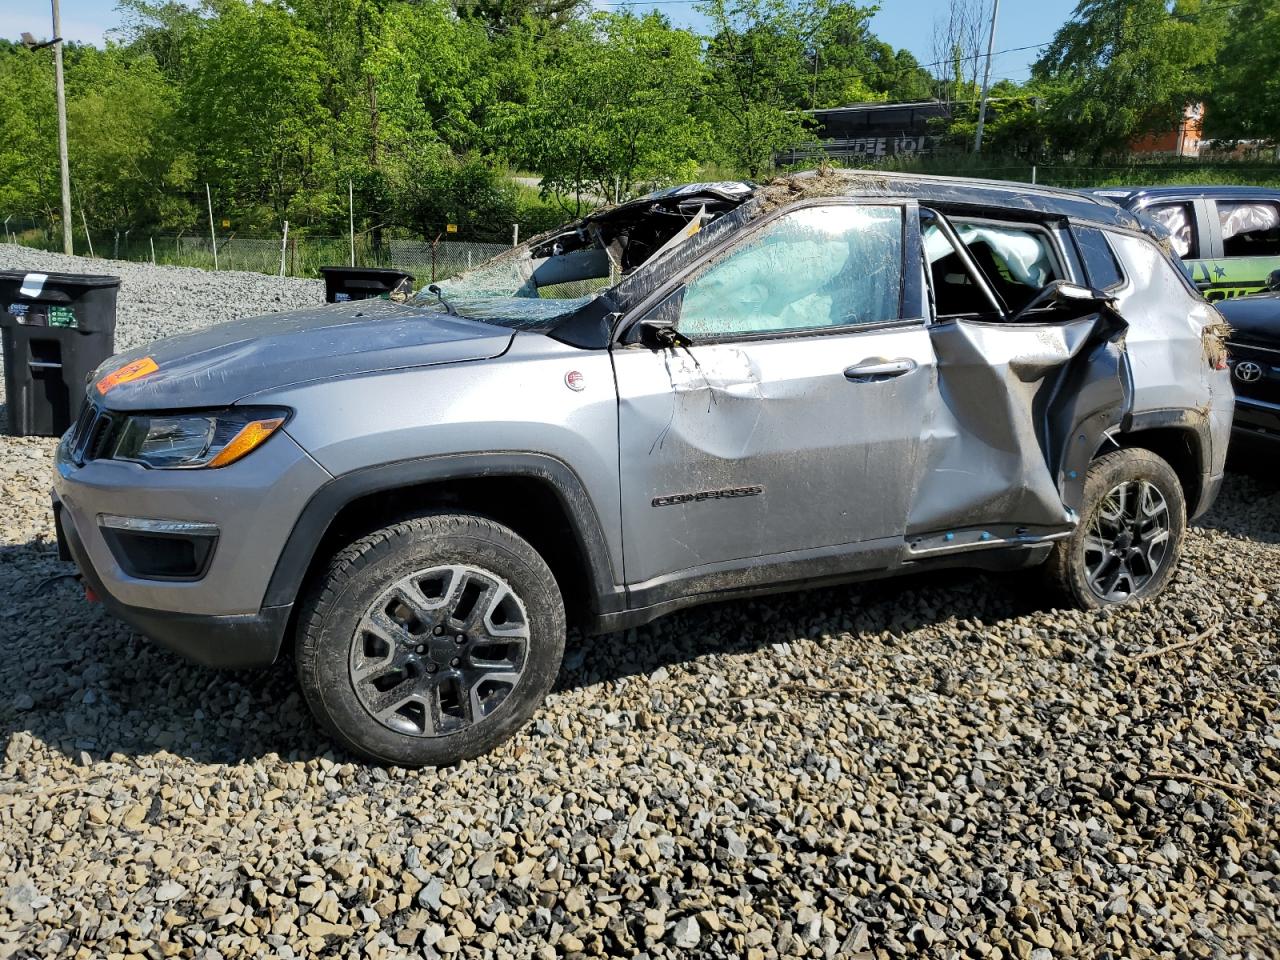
x=434, y=288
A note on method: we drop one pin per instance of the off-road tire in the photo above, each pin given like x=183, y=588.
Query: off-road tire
x=360, y=574
x=1067, y=572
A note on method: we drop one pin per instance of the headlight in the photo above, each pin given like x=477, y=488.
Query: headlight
x=210, y=439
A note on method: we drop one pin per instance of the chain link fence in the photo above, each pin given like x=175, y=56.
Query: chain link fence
x=298, y=255
x=429, y=261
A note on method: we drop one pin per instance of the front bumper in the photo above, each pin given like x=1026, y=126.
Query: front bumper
x=217, y=618
x=229, y=640
x=1256, y=419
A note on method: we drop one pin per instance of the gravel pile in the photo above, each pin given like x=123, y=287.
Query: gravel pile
x=936, y=766
x=158, y=302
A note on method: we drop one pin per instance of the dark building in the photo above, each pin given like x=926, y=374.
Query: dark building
x=869, y=130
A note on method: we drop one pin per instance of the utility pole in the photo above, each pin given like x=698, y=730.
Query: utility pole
x=62, y=130
x=986, y=78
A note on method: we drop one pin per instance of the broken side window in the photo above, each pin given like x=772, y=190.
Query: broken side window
x=1180, y=220
x=956, y=291
x=1017, y=260
x=813, y=268
x=1249, y=229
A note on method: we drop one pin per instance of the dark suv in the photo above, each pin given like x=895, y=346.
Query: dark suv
x=715, y=390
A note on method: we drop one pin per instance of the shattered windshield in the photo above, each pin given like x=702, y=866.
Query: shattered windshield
x=559, y=273
x=504, y=291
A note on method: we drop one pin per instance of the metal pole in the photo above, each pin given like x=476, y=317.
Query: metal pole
x=6, y=228
x=284, y=242
x=153, y=250
x=986, y=78
x=213, y=237
x=351, y=220
x=515, y=234
x=1033, y=173
x=62, y=132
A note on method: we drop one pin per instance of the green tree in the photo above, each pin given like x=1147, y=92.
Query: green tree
x=471, y=194
x=127, y=161
x=1244, y=102
x=1122, y=68
x=251, y=107
x=29, y=145
x=164, y=30
x=756, y=59
x=506, y=15
x=849, y=64
x=614, y=112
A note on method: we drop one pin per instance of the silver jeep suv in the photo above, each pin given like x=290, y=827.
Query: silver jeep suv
x=716, y=390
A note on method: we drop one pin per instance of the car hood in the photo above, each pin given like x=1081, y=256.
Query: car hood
x=1253, y=319
x=227, y=362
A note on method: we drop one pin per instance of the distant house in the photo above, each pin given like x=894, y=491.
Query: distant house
x=1184, y=140
x=869, y=130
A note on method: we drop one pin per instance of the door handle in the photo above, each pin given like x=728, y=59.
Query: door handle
x=878, y=368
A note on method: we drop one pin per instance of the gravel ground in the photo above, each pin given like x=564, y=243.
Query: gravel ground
x=935, y=766
x=158, y=302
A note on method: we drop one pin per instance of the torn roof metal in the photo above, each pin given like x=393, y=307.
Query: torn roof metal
x=724, y=189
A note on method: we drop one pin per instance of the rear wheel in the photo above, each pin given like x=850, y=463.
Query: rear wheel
x=431, y=641
x=1127, y=544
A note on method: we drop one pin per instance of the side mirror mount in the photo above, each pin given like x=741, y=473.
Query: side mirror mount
x=657, y=334
x=657, y=328
x=1067, y=294
x=1273, y=281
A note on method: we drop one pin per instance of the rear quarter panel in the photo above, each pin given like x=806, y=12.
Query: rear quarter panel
x=1166, y=343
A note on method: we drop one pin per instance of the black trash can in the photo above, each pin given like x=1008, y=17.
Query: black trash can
x=342, y=284
x=55, y=328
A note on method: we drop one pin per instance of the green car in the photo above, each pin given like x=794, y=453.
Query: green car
x=1228, y=237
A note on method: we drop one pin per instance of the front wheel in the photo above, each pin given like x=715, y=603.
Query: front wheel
x=1126, y=546
x=430, y=641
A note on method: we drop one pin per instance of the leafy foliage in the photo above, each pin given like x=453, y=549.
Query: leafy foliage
x=612, y=114
x=1122, y=68
x=1244, y=101
x=429, y=107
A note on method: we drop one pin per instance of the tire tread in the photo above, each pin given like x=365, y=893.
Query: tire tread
x=1059, y=572
x=346, y=565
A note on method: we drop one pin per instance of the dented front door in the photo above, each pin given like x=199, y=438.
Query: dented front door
x=740, y=451
x=790, y=426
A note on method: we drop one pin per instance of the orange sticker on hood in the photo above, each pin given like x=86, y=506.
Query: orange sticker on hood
x=134, y=370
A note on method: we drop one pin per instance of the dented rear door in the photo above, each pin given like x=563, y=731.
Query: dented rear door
x=1020, y=404
x=790, y=427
